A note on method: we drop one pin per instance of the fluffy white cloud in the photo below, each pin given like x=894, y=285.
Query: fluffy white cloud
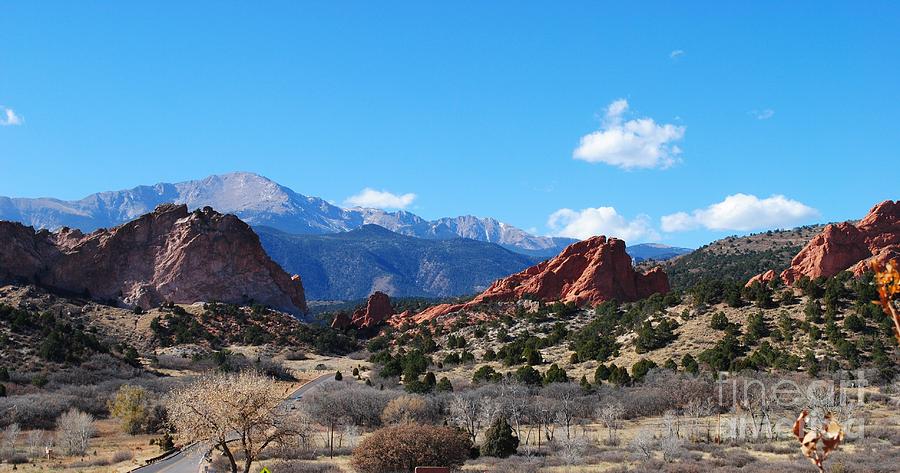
x=589, y=222
x=380, y=199
x=763, y=114
x=676, y=53
x=8, y=117
x=638, y=143
x=742, y=212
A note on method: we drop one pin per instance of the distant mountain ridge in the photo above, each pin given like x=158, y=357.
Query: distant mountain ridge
x=655, y=252
x=262, y=202
x=352, y=265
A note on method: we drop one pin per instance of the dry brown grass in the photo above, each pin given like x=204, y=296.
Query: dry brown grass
x=107, y=445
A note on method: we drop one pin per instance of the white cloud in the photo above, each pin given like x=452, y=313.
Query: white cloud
x=676, y=53
x=8, y=117
x=763, y=114
x=589, y=222
x=380, y=199
x=742, y=212
x=638, y=143
x=677, y=222
x=615, y=111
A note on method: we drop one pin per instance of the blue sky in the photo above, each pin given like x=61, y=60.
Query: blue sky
x=673, y=122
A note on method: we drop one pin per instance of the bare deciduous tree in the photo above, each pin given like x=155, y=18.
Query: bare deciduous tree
x=243, y=408
x=670, y=446
x=10, y=439
x=491, y=408
x=301, y=431
x=697, y=409
x=545, y=416
x=571, y=450
x=643, y=444
x=350, y=434
x=516, y=406
x=569, y=403
x=465, y=412
x=671, y=424
x=362, y=405
x=74, y=430
x=331, y=407
x=611, y=416
x=35, y=443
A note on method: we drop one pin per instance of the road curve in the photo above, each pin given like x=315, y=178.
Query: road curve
x=189, y=460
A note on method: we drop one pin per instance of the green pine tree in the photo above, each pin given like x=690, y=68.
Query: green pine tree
x=499, y=440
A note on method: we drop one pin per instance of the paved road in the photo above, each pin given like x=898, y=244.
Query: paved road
x=188, y=461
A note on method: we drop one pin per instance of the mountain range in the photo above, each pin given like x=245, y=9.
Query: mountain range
x=341, y=253
x=655, y=252
x=262, y=202
x=352, y=265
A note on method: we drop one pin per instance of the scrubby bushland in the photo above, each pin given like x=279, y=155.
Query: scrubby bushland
x=59, y=339
x=404, y=447
x=300, y=466
x=405, y=410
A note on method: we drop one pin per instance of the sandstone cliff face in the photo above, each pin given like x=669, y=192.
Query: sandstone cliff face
x=167, y=255
x=23, y=252
x=587, y=272
x=835, y=249
x=881, y=230
x=377, y=310
x=847, y=246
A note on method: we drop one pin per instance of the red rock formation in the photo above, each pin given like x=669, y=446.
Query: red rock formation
x=881, y=228
x=762, y=278
x=167, y=255
x=587, y=272
x=846, y=246
x=377, y=310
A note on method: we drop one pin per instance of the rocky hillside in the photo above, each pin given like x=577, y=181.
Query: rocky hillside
x=45, y=330
x=354, y=264
x=262, y=202
x=797, y=333
x=588, y=272
x=738, y=258
x=169, y=255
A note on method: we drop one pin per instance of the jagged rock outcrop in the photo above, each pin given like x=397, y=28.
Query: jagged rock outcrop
x=837, y=248
x=847, y=246
x=881, y=230
x=762, y=278
x=169, y=254
x=377, y=310
x=587, y=272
